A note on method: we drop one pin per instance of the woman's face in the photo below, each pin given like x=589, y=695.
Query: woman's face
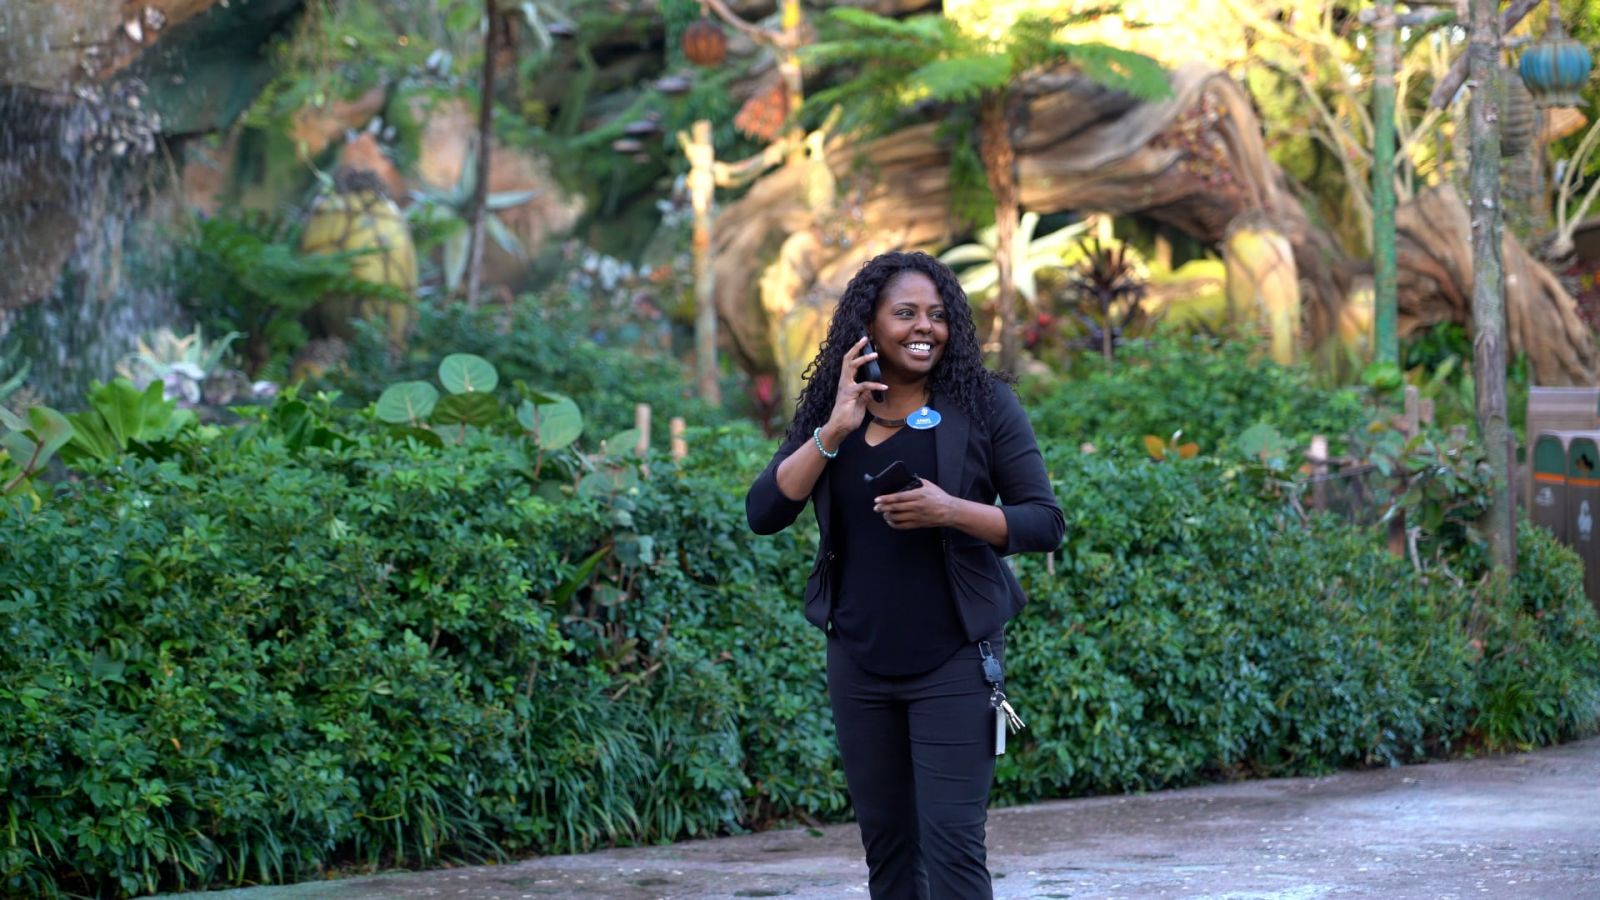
x=909, y=330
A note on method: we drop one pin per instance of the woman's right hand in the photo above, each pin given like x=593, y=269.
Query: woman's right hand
x=850, y=401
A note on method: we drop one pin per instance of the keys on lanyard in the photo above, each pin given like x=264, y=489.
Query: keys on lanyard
x=1004, y=716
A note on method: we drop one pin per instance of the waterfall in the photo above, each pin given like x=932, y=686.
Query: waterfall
x=87, y=204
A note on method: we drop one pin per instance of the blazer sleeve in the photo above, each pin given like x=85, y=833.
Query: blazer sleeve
x=1033, y=515
x=765, y=506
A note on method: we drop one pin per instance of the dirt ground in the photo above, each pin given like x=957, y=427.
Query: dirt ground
x=1525, y=825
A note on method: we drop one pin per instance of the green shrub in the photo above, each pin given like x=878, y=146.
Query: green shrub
x=1210, y=390
x=299, y=645
x=526, y=342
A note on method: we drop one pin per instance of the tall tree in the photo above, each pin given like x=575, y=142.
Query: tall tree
x=933, y=59
x=480, y=190
x=1488, y=283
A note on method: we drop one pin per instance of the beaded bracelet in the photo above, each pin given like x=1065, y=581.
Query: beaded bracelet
x=816, y=436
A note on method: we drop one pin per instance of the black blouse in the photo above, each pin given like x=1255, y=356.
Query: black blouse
x=895, y=614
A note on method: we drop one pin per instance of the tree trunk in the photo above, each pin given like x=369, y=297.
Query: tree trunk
x=999, y=162
x=1488, y=287
x=480, y=190
x=1386, y=344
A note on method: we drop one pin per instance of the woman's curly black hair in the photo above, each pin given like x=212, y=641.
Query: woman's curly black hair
x=959, y=376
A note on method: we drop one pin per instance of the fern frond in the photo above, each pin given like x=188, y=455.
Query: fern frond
x=959, y=79
x=1121, y=70
x=873, y=50
x=923, y=27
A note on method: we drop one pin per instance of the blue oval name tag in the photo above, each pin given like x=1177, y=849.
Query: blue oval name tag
x=923, y=419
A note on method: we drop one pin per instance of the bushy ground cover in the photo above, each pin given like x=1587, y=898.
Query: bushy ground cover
x=1210, y=390
x=250, y=654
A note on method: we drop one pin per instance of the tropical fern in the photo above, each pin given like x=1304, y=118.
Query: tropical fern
x=245, y=273
x=928, y=57
x=1121, y=70
x=931, y=59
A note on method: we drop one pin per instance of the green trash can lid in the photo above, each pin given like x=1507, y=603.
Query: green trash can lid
x=1583, y=462
x=1549, y=459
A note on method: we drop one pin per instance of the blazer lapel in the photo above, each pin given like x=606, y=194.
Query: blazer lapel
x=950, y=443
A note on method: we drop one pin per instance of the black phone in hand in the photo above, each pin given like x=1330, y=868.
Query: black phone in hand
x=871, y=371
x=893, y=479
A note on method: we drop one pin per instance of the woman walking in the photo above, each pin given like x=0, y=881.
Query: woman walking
x=902, y=446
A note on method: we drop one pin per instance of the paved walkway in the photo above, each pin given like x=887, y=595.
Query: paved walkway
x=1526, y=825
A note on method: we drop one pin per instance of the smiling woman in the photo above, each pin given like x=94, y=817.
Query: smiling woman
x=908, y=582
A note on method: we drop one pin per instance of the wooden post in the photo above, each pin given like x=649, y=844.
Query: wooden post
x=1511, y=495
x=1410, y=423
x=1318, y=458
x=641, y=424
x=1488, y=280
x=680, y=446
x=702, y=188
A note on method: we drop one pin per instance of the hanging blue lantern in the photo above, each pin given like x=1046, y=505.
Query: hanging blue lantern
x=1556, y=67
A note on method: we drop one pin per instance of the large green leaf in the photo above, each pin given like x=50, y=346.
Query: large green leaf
x=19, y=446
x=472, y=408
x=462, y=373
x=553, y=425
x=121, y=406
x=578, y=578
x=420, y=435
x=623, y=443
x=51, y=428
x=91, y=438
x=407, y=402
x=12, y=421
x=608, y=482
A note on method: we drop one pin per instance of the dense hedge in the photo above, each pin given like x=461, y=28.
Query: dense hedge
x=246, y=663
x=1210, y=390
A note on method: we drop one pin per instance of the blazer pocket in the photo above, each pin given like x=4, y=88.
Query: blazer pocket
x=975, y=570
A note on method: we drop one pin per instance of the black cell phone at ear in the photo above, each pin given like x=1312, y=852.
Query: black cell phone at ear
x=871, y=371
x=893, y=479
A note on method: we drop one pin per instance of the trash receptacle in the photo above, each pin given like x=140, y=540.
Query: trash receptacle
x=1583, y=504
x=1549, y=506
x=1557, y=409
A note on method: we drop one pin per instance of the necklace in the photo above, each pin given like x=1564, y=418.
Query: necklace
x=894, y=423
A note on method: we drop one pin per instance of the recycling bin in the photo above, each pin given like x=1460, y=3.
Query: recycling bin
x=1549, y=488
x=1556, y=409
x=1583, y=505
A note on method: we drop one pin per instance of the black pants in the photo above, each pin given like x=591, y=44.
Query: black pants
x=919, y=758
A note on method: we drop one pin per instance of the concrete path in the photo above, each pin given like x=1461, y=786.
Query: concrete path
x=1514, y=826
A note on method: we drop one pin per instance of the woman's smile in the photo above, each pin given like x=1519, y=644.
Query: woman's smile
x=910, y=327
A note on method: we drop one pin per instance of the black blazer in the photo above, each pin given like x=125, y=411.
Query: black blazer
x=976, y=461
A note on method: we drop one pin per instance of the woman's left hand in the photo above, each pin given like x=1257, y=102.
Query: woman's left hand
x=925, y=507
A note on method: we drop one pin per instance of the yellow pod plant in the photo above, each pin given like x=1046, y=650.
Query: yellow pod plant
x=358, y=217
